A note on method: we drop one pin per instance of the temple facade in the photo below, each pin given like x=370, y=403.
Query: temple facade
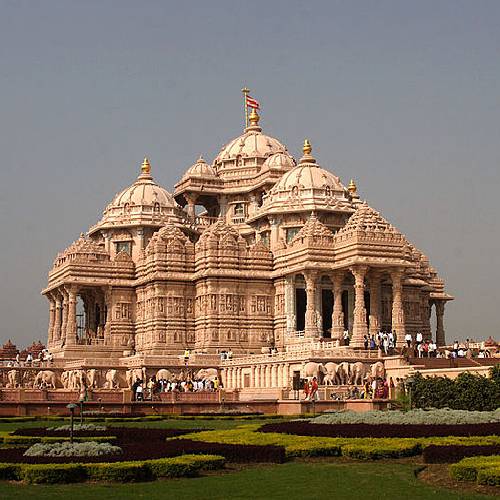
x=253, y=251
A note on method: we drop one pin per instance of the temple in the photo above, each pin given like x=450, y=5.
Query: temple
x=254, y=251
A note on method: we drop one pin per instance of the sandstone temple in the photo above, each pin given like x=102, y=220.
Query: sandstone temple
x=255, y=251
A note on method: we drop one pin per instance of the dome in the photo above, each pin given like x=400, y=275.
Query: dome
x=281, y=161
x=251, y=144
x=307, y=186
x=143, y=203
x=200, y=169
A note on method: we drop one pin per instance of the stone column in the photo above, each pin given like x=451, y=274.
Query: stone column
x=374, y=326
x=311, y=327
x=268, y=375
x=191, y=205
x=64, y=314
x=286, y=375
x=398, y=319
x=440, y=339
x=291, y=320
x=58, y=318
x=52, y=314
x=71, y=320
x=360, y=328
x=274, y=375
x=274, y=236
x=338, y=312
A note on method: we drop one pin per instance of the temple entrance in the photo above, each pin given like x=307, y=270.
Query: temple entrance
x=300, y=309
x=327, y=311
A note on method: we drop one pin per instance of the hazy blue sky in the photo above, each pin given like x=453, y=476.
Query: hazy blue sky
x=403, y=96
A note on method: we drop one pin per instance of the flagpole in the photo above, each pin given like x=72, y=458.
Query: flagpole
x=245, y=93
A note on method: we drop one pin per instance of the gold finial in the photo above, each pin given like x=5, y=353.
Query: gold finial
x=254, y=118
x=245, y=90
x=146, y=166
x=352, y=188
x=307, y=148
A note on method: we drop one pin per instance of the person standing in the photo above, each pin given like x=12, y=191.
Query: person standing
x=307, y=390
x=408, y=339
x=314, y=389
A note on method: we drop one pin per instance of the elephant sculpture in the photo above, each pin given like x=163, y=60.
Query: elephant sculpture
x=378, y=370
x=164, y=374
x=45, y=379
x=92, y=378
x=207, y=374
x=111, y=379
x=344, y=373
x=135, y=374
x=331, y=377
x=313, y=369
x=13, y=379
x=359, y=373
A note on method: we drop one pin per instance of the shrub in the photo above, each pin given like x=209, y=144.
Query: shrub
x=28, y=440
x=438, y=454
x=9, y=472
x=468, y=468
x=466, y=392
x=78, y=428
x=489, y=477
x=52, y=473
x=123, y=472
x=184, y=466
x=443, y=416
x=375, y=452
x=67, y=449
x=380, y=430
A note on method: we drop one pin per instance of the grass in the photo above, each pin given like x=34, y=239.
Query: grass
x=295, y=480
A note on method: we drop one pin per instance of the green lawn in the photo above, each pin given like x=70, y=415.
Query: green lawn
x=294, y=480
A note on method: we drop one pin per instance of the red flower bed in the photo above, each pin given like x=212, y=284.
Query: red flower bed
x=435, y=454
x=144, y=444
x=381, y=430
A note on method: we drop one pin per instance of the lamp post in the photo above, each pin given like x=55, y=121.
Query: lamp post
x=409, y=382
x=71, y=407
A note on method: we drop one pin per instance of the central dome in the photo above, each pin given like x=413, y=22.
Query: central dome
x=249, y=149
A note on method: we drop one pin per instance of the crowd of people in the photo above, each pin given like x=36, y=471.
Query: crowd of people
x=44, y=358
x=151, y=389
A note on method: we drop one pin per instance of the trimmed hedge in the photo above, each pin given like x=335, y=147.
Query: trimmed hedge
x=53, y=473
x=489, y=477
x=468, y=468
x=374, y=452
x=382, y=430
x=363, y=448
x=123, y=472
x=447, y=454
x=185, y=466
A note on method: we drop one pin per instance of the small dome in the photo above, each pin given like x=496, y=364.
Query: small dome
x=200, y=169
x=281, y=161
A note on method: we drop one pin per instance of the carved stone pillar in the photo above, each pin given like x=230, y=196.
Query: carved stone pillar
x=374, y=326
x=398, y=320
x=71, y=320
x=56, y=335
x=291, y=320
x=64, y=315
x=252, y=376
x=440, y=339
x=338, y=313
x=268, y=375
x=257, y=376
x=274, y=236
x=286, y=374
x=279, y=381
x=274, y=375
x=52, y=314
x=191, y=205
x=311, y=326
x=360, y=328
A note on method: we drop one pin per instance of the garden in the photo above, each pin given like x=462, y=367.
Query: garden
x=410, y=448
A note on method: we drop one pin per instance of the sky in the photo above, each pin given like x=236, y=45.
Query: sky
x=402, y=96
